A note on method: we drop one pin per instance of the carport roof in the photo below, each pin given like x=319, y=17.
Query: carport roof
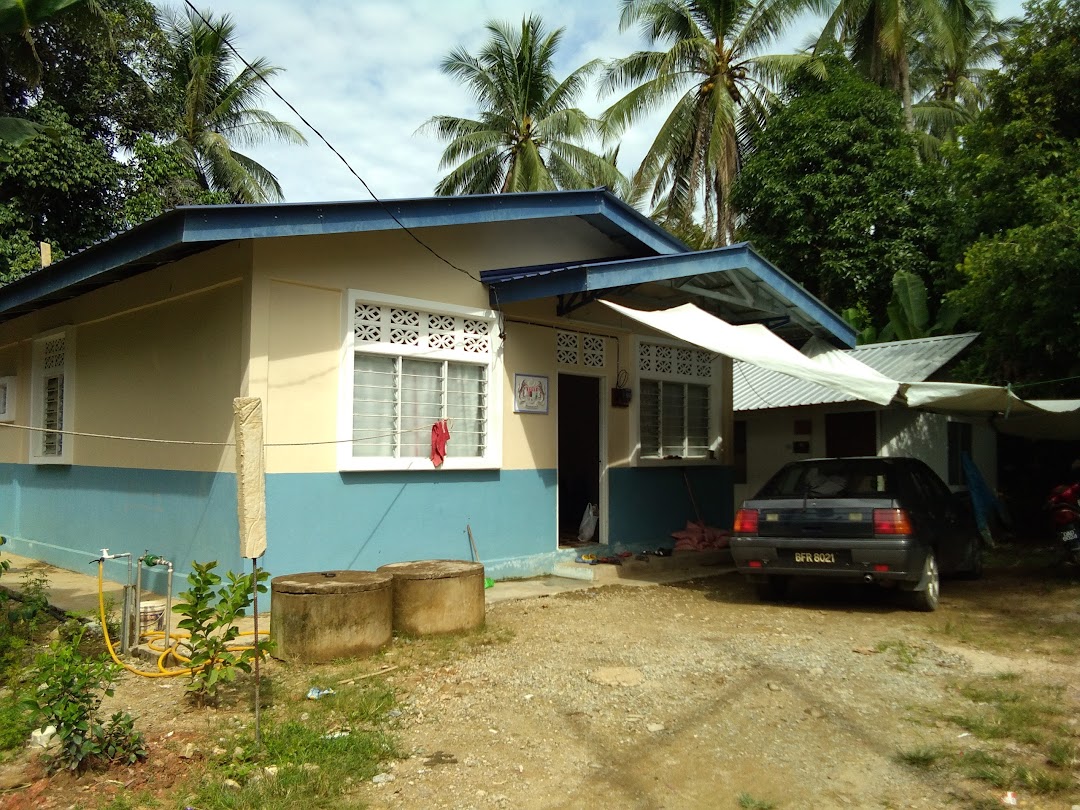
x=909, y=361
x=732, y=282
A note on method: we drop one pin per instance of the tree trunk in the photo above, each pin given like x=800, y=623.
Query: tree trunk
x=905, y=92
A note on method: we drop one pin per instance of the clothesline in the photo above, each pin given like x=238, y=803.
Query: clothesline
x=192, y=443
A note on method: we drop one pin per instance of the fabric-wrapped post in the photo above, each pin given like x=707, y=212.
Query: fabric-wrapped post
x=330, y=614
x=437, y=596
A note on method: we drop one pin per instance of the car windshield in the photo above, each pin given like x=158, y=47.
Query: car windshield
x=832, y=478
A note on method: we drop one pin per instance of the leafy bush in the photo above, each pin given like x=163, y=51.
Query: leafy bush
x=71, y=689
x=210, y=615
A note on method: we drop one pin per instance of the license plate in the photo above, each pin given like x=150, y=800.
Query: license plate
x=1067, y=535
x=815, y=557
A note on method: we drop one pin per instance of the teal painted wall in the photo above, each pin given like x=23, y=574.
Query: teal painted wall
x=66, y=515
x=363, y=520
x=321, y=521
x=315, y=521
x=647, y=504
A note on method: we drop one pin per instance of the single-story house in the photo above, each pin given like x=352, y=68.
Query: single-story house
x=779, y=418
x=360, y=325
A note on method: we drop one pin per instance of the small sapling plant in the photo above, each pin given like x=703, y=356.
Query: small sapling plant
x=211, y=610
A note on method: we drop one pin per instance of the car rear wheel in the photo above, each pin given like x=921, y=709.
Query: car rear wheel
x=772, y=588
x=926, y=599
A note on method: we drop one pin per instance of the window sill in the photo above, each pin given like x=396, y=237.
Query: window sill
x=415, y=464
x=678, y=462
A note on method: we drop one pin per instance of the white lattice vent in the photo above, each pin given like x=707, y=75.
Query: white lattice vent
x=397, y=326
x=658, y=358
x=576, y=349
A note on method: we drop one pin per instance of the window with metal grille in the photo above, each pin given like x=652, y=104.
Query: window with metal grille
x=51, y=408
x=413, y=364
x=674, y=419
x=673, y=408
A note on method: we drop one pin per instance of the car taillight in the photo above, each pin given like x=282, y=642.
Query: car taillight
x=892, y=521
x=746, y=521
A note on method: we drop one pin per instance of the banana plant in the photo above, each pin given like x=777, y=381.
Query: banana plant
x=909, y=312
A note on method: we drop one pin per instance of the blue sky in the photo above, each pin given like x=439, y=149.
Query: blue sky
x=365, y=73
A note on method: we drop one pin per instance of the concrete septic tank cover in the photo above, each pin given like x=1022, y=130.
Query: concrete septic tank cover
x=437, y=596
x=328, y=615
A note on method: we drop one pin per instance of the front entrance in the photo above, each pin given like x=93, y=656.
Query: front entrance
x=580, y=455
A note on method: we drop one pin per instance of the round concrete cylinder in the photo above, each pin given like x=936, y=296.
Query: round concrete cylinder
x=330, y=614
x=437, y=596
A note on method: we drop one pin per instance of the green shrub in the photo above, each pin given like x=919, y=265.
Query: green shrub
x=71, y=688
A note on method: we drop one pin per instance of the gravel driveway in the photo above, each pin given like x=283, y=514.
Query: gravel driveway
x=696, y=695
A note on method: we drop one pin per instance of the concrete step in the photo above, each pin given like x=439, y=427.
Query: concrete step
x=651, y=567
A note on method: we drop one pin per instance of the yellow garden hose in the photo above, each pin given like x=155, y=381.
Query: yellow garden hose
x=173, y=649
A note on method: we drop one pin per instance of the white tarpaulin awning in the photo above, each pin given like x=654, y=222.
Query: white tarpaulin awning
x=833, y=368
x=755, y=344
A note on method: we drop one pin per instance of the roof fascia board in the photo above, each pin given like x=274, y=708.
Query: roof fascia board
x=212, y=225
x=630, y=272
x=130, y=246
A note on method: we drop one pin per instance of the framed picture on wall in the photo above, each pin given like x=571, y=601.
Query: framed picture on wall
x=530, y=393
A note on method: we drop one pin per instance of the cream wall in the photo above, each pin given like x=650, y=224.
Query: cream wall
x=14, y=359
x=156, y=356
x=770, y=437
x=295, y=327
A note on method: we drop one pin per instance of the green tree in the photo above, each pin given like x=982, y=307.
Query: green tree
x=834, y=192
x=211, y=106
x=62, y=187
x=528, y=136
x=711, y=72
x=1018, y=168
x=880, y=35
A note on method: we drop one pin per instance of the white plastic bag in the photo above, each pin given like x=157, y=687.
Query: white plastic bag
x=588, y=523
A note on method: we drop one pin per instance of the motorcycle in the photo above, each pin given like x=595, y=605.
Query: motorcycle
x=1064, y=508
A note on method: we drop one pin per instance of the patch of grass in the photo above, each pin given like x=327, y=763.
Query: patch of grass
x=748, y=802
x=921, y=757
x=1007, y=710
x=1015, y=712
x=313, y=762
x=15, y=726
x=126, y=801
x=1061, y=754
x=907, y=655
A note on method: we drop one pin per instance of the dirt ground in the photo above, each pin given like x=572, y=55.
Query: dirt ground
x=690, y=695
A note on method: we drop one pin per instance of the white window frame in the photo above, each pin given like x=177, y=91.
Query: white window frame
x=39, y=376
x=492, y=458
x=10, y=388
x=713, y=383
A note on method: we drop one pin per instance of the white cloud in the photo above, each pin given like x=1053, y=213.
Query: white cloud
x=366, y=74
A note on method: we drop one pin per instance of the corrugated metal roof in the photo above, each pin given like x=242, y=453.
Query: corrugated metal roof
x=915, y=360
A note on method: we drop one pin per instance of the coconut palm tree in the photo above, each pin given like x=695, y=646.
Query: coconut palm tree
x=213, y=108
x=949, y=83
x=528, y=136
x=880, y=37
x=711, y=71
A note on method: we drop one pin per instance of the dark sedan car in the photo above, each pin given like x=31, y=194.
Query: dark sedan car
x=890, y=521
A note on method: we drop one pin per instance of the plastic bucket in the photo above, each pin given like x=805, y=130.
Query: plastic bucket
x=151, y=617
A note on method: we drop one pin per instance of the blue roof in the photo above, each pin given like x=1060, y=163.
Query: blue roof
x=191, y=229
x=734, y=282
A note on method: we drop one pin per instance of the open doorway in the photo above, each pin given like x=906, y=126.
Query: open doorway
x=579, y=454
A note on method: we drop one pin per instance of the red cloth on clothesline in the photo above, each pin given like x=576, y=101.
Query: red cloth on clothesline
x=440, y=435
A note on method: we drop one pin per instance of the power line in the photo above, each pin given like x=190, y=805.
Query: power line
x=330, y=146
